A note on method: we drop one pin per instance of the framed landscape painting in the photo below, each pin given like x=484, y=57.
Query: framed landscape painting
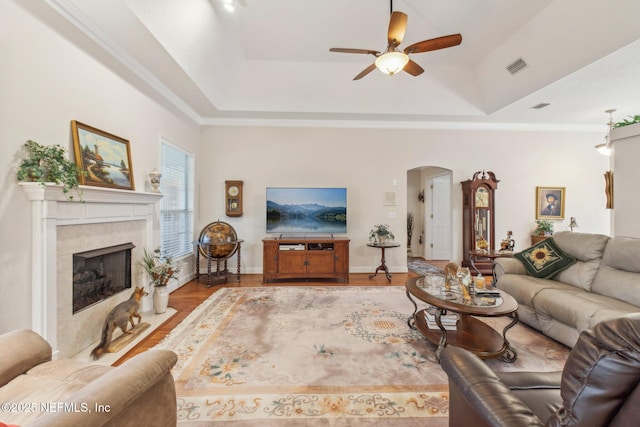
x=104, y=157
x=550, y=202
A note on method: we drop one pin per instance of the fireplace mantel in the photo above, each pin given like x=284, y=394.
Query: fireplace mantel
x=51, y=208
x=53, y=192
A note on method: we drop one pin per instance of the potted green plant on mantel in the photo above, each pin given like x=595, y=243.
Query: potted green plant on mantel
x=160, y=269
x=381, y=233
x=49, y=164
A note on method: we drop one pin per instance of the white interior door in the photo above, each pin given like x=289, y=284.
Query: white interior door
x=440, y=217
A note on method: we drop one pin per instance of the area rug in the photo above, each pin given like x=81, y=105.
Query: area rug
x=421, y=267
x=319, y=356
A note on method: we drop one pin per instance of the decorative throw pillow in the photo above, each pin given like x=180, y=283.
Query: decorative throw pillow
x=544, y=259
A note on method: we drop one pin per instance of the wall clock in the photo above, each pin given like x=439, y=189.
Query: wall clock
x=233, y=198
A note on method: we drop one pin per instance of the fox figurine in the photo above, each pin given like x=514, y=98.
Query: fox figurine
x=119, y=316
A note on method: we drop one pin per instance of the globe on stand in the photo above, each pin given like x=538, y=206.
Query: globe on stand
x=218, y=243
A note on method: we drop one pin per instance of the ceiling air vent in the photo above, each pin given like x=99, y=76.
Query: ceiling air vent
x=516, y=66
x=541, y=105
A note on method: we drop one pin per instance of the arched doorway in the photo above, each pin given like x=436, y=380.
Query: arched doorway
x=429, y=201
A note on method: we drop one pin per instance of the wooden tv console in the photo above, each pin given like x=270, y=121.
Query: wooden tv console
x=305, y=258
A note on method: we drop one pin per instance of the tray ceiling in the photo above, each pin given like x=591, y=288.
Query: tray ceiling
x=270, y=59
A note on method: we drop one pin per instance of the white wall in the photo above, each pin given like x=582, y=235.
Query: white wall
x=45, y=82
x=367, y=161
x=626, y=176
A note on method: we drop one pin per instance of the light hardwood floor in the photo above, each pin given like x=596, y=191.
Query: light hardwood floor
x=189, y=296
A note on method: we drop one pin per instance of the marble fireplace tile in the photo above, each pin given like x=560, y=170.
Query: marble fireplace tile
x=79, y=330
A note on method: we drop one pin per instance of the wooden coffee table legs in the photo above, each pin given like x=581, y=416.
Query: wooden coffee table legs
x=510, y=354
x=471, y=334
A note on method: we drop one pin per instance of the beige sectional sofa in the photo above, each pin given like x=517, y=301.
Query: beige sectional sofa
x=603, y=283
x=38, y=391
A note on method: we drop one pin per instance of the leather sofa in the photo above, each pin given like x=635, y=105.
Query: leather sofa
x=38, y=391
x=599, y=385
x=603, y=283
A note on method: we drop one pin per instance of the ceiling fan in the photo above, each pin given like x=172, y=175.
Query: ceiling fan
x=392, y=61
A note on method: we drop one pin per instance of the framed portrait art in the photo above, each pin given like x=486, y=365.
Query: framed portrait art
x=104, y=157
x=550, y=202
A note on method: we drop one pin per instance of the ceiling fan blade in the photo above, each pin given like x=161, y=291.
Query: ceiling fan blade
x=397, y=28
x=434, y=44
x=347, y=50
x=366, y=71
x=413, y=68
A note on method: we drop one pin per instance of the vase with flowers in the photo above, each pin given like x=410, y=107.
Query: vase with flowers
x=160, y=269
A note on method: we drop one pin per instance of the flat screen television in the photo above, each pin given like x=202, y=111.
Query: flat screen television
x=306, y=210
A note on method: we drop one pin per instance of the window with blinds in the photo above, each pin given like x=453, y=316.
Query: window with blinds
x=176, y=207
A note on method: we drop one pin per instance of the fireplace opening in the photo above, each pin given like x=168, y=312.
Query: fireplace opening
x=100, y=273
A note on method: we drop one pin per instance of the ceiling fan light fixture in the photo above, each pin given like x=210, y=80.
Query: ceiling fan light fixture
x=392, y=62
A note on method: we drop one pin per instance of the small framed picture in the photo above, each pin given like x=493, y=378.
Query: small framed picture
x=104, y=157
x=550, y=202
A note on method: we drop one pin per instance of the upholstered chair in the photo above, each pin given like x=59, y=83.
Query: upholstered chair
x=599, y=385
x=37, y=391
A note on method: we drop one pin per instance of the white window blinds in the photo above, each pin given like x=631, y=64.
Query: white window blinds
x=176, y=207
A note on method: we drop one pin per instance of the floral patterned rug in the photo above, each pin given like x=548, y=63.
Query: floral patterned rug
x=421, y=267
x=319, y=356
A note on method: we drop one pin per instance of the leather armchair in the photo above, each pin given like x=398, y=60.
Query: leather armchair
x=599, y=385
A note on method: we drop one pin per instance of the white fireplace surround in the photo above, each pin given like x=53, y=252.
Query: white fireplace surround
x=50, y=208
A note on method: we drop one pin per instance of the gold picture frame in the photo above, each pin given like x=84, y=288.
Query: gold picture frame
x=106, y=158
x=550, y=202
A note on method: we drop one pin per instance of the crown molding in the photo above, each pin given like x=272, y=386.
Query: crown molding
x=388, y=124
x=72, y=14
x=87, y=27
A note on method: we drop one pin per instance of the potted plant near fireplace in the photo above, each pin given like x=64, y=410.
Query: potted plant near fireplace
x=160, y=269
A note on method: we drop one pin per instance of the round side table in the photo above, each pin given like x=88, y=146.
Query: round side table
x=383, y=265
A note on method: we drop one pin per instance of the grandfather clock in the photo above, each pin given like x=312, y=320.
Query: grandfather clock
x=478, y=220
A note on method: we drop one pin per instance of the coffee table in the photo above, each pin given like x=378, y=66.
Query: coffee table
x=471, y=334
